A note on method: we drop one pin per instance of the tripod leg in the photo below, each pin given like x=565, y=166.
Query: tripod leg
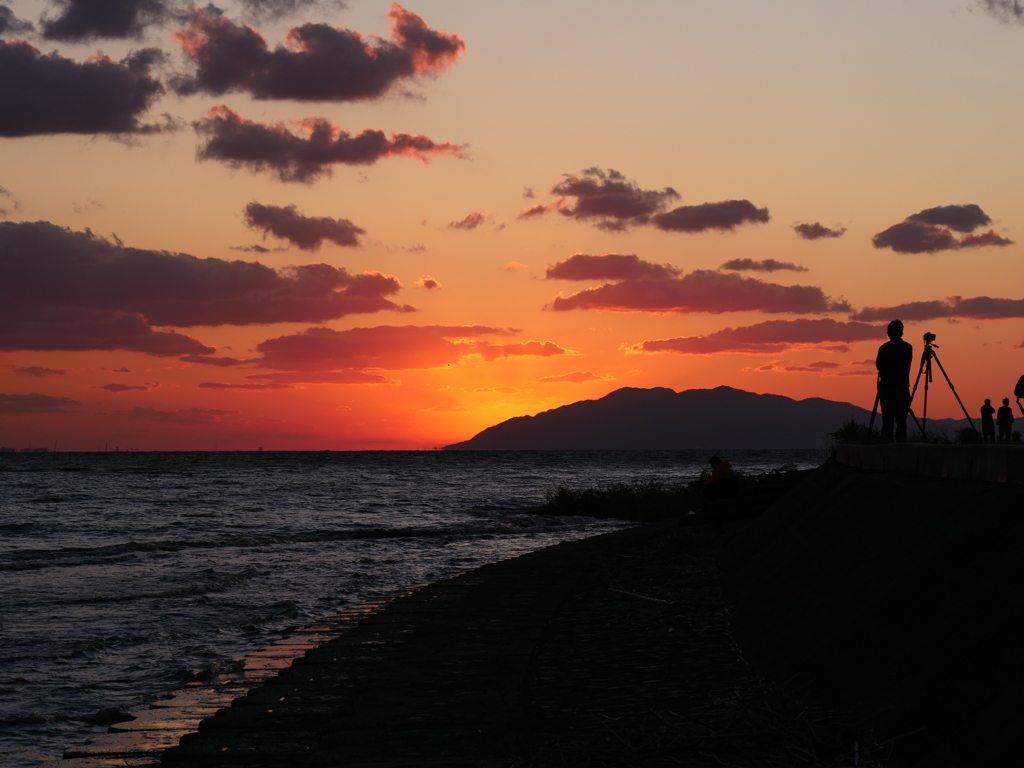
x=917, y=381
x=946, y=375
x=874, y=411
x=1020, y=406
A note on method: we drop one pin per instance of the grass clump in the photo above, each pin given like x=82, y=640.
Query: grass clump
x=642, y=500
x=649, y=500
x=852, y=432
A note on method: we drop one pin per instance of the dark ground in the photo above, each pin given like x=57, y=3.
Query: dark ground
x=864, y=619
x=614, y=651
x=897, y=597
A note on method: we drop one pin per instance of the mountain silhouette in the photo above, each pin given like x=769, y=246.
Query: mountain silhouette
x=660, y=418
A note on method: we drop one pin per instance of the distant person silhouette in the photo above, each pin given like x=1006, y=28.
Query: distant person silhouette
x=988, y=428
x=1004, y=420
x=893, y=363
x=722, y=481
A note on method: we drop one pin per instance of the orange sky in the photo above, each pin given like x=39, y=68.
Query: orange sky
x=389, y=227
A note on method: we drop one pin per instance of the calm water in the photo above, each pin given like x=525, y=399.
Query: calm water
x=123, y=576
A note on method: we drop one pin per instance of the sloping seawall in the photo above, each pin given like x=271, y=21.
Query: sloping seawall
x=896, y=596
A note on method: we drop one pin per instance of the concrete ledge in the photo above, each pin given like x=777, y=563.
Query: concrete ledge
x=984, y=463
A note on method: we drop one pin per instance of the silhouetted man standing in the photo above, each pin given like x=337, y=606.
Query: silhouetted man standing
x=988, y=427
x=1004, y=418
x=893, y=363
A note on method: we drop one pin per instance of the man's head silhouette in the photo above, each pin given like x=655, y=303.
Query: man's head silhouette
x=895, y=330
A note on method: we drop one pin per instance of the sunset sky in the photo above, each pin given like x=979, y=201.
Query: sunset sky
x=364, y=225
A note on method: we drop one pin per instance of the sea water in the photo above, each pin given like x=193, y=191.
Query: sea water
x=126, y=575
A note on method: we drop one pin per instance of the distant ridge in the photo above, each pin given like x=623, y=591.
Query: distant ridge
x=660, y=418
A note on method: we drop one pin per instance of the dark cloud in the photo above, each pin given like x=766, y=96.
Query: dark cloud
x=392, y=348
x=241, y=143
x=915, y=237
x=931, y=231
x=977, y=308
x=428, y=282
x=318, y=63
x=608, y=266
x=528, y=193
x=817, y=231
x=984, y=238
x=305, y=232
x=614, y=203
x=51, y=327
x=76, y=291
x=819, y=367
x=542, y=209
x=576, y=377
x=766, y=265
x=14, y=201
x=186, y=417
x=959, y=218
x=822, y=368
x=767, y=338
x=702, y=291
x=11, y=24
x=608, y=198
x=1006, y=11
x=254, y=248
x=491, y=352
x=82, y=20
x=273, y=10
x=244, y=387
x=50, y=94
x=472, y=220
x=35, y=403
x=221, y=362
x=724, y=216
x=325, y=377
x=35, y=370
x=122, y=387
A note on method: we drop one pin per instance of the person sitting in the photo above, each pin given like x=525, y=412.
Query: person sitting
x=988, y=428
x=1004, y=419
x=722, y=481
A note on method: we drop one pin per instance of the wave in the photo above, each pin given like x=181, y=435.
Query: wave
x=69, y=557
x=16, y=528
x=205, y=583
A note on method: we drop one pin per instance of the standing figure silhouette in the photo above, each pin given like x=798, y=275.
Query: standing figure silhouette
x=1004, y=419
x=988, y=427
x=893, y=363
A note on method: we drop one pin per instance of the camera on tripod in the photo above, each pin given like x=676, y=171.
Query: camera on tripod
x=927, y=355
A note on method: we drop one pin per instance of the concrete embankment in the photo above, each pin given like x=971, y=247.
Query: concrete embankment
x=897, y=597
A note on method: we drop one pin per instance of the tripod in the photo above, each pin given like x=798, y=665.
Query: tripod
x=927, y=356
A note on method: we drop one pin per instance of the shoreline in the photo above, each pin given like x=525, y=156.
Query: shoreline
x=859, y=619
x=583, y=649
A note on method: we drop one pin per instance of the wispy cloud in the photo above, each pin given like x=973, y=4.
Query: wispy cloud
x=240, y=143
x=305, y=232
x=768, y=338
x=576, y=377
x=765, y=265
x=701, y=291
x=817, y=231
